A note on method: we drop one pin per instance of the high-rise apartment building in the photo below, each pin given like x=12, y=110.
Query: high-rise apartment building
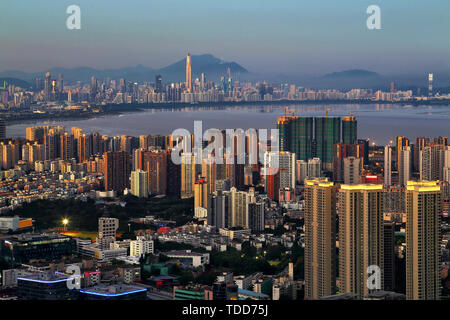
x=432, y=158
x=2, y=129
x=139, y=183
x=342, y=151
x=200, y=196
x=314, y=168
x=218, y=209
x=107, y=228
x=320, y=238
x=256, y=217
x=239, y=201
x=352, y=170
x=285, y=163
x=401, y=142
x=387, y=166
x=188, y=175
x=349, y=130
x=423, y=211
x=67, y=146
x=327, y=132
x=296, y=136
x=389, y=256
x=446, y=165
x=301, y=171
x=360, y=236
x=155, y=163
x=421, y=143
x=117, y=170
x=404, y=165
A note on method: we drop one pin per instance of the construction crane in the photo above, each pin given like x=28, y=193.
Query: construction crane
x=288, y=110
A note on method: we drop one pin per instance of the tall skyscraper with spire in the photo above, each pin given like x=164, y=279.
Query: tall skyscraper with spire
x=188, y=73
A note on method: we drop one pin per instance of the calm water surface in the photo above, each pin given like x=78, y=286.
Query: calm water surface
x=380, y=123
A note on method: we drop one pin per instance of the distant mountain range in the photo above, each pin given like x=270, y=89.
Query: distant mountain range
x=15, y=82
x=213, y=68
x=354, y=73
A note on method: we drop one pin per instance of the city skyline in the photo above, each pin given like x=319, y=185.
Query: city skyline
x=267, y=39
x=291, y=150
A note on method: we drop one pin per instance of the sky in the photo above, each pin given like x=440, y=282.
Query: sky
x=265, y=36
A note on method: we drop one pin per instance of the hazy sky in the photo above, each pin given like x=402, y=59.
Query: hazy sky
x=265, y=36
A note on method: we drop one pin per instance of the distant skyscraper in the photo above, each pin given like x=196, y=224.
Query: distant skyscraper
x=364, y=149
x=47, y=86
x=327, y=133
x=272, y=183
x=173, y=177
x=404, y=166
x=139, y=183
x=188, y=175
x=201, y=197
x=239, y=201
x=389, y=256
x=2, y=129
x=349, y=130
x=352, y=170
x=314, y=168
x=400, y=143
x=116, y=170
x=188, y=73
x=320, y=238
x=218, y=209
x=387, y=166
x=155, y=163
x=393, y=87
x=430, y=85
x=342, y=151
x=203, y=81
x=285, y=162
x=446, y=166
x=60, y=83
x=423, y=211
x=360, y=236
x=432, y=158
x=301, y=171
x=421, y=143
x=158, y=84
x=67, y=146
x=107, y=228
x=256, y=217
x=144, y=142
x=296, y=136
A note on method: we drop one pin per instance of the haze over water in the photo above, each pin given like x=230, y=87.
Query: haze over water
x=380, y=123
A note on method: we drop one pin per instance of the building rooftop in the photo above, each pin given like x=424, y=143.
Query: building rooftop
x=252, y=293
x=183, y=253
x=341, y=296
x=389, y=295
x=27, y=237
x=45, y=277
x=112, y=290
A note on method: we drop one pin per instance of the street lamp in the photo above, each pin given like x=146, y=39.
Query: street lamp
x=65, y=222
